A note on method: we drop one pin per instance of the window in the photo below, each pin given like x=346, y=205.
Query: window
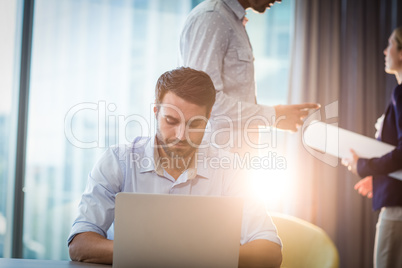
x=93, y=72
x=94, y=69
x=10, y=46
x=270, y=35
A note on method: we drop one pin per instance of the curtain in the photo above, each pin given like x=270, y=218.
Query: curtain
x=338, y=61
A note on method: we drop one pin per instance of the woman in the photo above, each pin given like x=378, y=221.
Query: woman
x=386, y=191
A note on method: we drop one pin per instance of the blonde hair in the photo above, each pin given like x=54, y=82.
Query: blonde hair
x=398, y=37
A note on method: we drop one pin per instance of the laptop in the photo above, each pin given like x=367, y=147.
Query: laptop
x=160, y=230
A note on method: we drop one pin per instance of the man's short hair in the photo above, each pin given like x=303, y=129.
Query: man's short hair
x=189, y=84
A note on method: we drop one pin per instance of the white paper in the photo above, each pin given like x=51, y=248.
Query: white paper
x=337, y=142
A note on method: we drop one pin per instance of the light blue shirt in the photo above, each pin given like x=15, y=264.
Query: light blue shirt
x=215, y=41
x=135, y=168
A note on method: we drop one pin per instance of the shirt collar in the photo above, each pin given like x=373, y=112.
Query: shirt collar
x=202, y=164
x=197, y=167
x=236, y=7
x=150, y=157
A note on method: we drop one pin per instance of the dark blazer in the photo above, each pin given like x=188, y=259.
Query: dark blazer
x=387, y=191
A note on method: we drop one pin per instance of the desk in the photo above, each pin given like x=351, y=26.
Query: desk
x=26, y=263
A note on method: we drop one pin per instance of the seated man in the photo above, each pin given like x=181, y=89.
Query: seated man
x=172, y=162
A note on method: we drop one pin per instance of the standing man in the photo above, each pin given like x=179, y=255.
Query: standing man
x=214, y=39
x=171, y=162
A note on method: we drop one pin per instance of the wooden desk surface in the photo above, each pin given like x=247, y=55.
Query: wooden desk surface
x=27, y=263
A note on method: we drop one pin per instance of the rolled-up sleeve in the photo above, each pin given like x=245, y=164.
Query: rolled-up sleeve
x=96, y=209
x=256, y=222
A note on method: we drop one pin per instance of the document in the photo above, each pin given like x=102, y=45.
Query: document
x=335, y=141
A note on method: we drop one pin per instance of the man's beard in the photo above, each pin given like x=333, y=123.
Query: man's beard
x=168, y=147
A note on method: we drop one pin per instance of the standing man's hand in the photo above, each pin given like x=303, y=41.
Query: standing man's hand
x=290, y=117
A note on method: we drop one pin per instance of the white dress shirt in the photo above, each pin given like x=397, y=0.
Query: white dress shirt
x=134, y=168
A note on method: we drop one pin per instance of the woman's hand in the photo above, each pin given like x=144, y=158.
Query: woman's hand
x=351, y=163
x=365, y=186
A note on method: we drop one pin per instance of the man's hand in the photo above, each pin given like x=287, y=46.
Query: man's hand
x=365, y=187
x=260, y=253
x=290, y=117
x=91, y=247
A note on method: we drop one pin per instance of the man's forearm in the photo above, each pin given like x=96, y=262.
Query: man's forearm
x=91, y=247
x=260, y=253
